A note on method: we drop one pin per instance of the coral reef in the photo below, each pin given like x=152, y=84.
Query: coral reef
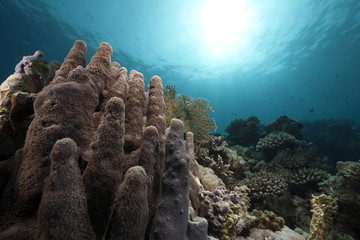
x=174, y=107
x=97, y=162
x=323, y=207
x=243, y=132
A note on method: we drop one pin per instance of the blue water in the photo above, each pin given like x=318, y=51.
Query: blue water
x=260, y=57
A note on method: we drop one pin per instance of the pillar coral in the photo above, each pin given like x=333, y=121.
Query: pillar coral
x=155, y=114
x=134, y=112
x=117, y=86
x=194, y=173
x=103, y=173
x=171, y=220
x=149, y=160
x=63, y=204
x=132, y=212
x=63, y=109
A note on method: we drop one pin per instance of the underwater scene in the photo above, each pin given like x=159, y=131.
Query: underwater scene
x=180, y=120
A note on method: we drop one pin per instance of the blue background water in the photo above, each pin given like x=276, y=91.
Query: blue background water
x=263, y=57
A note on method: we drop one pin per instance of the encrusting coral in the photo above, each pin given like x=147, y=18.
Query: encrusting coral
x=226, y=211
x=268, y=220
x=224, y=161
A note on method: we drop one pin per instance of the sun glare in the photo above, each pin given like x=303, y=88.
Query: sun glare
x=224, y=25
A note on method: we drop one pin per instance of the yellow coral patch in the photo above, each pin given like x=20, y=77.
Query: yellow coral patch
x=194, y=112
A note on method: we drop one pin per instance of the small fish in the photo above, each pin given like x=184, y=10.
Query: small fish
x=311, y=110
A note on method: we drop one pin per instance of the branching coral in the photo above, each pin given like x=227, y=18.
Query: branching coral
x=306, y=175
x=263, y=184
x=323, y=207
x=194, y=112
x=290, y=161
x=224, y=161
x=350, y=170
x=274, y=142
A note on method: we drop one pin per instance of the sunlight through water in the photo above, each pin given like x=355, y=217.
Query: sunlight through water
x=226, y=26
